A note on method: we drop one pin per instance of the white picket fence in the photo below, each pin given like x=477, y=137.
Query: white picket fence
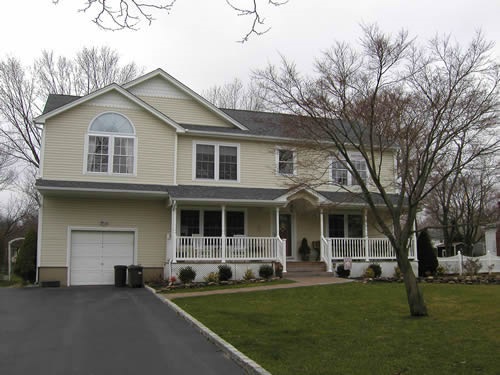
x=455, y=264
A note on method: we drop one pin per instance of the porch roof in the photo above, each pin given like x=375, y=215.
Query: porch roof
x=199, y=193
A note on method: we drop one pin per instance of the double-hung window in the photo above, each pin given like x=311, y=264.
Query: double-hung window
x=286, y=162
x=218, y=162
x=340, y=174
x=111, y=145
x=208, y=223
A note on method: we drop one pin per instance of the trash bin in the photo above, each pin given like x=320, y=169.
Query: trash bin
x=135, y=276
x=120, y=276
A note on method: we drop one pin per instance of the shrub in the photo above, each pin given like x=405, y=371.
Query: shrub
x=440, y=270
x=249, y=275
x=187, y=275
x=341, y=272
x=472, y=266
x=397, y=273
x=278, y=269
x=427, y=260
x=26, y=258
x=212, y=277
x=225, y=272
x=266, y=271
x=304, y=250
x=369, y=273
x=377, y=270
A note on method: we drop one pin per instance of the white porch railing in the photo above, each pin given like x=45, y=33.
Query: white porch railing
x=229, y=248
x=326, y=253
x=363, y=248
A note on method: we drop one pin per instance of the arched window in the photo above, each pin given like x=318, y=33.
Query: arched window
x=111, y=145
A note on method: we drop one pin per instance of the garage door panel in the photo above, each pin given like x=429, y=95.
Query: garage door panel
x=124, y=238
x=83, y=237
x=94, y=255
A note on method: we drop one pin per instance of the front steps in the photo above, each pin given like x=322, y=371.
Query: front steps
x=306, y=269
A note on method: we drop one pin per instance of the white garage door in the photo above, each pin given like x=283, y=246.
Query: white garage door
x=94, y=255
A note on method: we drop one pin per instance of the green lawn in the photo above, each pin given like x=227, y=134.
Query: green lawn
x=359, y=329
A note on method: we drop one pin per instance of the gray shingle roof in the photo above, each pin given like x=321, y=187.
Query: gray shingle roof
x=56, y=101
x=198, y=192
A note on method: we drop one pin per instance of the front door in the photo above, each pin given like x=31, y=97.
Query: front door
x=285, y=232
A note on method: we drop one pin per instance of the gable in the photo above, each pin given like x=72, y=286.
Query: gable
x=179, y=102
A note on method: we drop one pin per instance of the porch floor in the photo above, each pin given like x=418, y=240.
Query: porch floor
x=299, y=282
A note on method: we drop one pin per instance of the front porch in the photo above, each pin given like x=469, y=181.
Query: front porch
x=215, y=233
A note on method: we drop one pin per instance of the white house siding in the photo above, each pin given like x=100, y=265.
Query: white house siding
x=151, y=219
x=65, y=136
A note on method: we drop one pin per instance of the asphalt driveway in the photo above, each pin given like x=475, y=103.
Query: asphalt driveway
x=100, y=330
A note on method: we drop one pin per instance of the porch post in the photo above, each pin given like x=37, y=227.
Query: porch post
x=414, y=240
x=365, y=233
x=321, y=221
x=277, y=221
x=223, y=233
x=173, y=231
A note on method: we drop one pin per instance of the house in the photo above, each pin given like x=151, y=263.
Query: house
x=151, y=173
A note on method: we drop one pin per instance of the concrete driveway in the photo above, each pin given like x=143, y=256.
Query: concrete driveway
x=100, y=330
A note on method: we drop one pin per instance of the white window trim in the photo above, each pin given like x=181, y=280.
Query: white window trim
x=277, y=158
x=350, y=178
x=346, y=222
x=216, y=145
x=111, y=145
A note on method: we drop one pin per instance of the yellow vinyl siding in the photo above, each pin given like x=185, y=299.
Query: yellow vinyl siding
x=65, y=136
x=151, y=218
x=258, y=165
x=186, y=111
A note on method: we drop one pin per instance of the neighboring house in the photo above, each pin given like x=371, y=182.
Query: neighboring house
x=151, y=173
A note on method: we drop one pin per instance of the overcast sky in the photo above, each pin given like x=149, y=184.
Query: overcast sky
x=196, y=42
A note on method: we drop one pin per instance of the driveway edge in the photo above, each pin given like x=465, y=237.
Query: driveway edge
x=249, y=365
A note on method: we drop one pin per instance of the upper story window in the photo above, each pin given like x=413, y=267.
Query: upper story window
x=341, y=176
x=286, y=161
x=111, y=145
x=219, y=162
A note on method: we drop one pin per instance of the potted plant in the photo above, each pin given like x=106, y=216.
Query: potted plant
x=304, y=250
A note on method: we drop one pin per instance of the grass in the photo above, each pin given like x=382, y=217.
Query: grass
x=359, y=329
x=235, y=286
x=4, y=283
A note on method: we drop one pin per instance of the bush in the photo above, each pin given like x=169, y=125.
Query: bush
x=278, y=269
x=266, y=271
x=26, y=258
x=397, y=273
x=187, y=275
x=304, y=250
x=341, y=272
x=377, y=270
x=249, y=275
x=212, y=277
x=225, y=272
x=369, y=273
x=440, y=270
x=427, y=260
x=472, y=266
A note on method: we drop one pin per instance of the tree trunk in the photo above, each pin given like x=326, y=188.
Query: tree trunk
x=413, y=292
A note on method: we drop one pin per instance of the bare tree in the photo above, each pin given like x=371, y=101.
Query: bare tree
x=24, y=90
x=235, y=95
x=464, y=202
x=393, y=99
x=128, y=14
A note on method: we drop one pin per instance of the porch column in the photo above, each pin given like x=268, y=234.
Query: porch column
x=223, y=234
x=173, y=231
x=365, y=233
x=321, y=221
x=277, y=221
x=414, y=239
